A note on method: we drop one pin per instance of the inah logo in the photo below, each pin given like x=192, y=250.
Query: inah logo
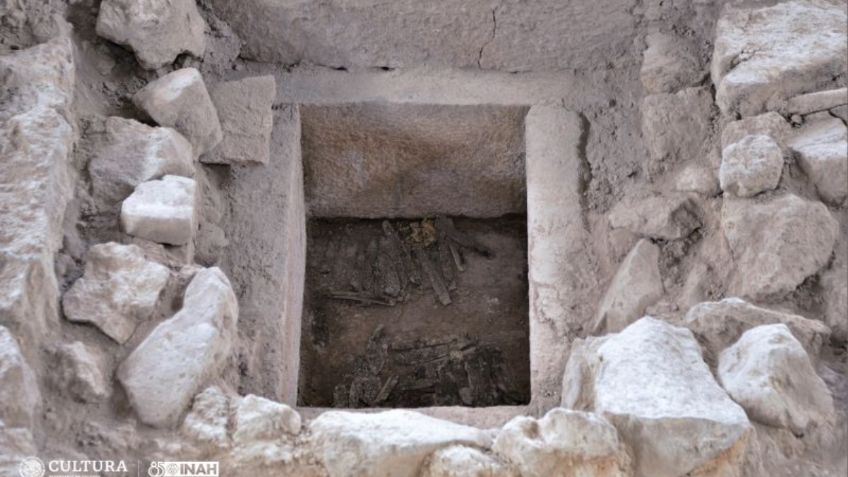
x=31, y=467
x=183, y=469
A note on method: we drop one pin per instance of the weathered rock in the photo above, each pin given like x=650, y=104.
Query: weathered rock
x=180, y=100
x=16, y=444
x=80, y=371
x=669, y=64
x=132, y=153
x=776, y=244
x=658, y=217
x=162, y=211
x=636, y=285
x=392, y=443
x=244, y=109
x=169, y=367
x=563, y=442
x=119, y=289
x=769, y=124
x=818, y=101
x=20, y=397
x=36, y=140
x=768, y=372
x=652, y=384
x=750, y=166
x=464, y=461
x=675, y=127
x=718, y=324
x=698, y=179
x=157, y=30
x=834, y=283
x=207, y=421
x=822, y=148
x=258, y=418
x=765, y=55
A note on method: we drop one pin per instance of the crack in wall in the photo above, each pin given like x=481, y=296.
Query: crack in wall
x=491, y=37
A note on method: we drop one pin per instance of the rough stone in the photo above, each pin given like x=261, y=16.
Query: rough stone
x=258, y=418
x=168, y=368
x=20, y=397
x=765, y=55
x=834, y=283
x=657, y=217
x=180, y=100
x=16, y=444
x=750, y=166
x=464, y=461
x=652, y=384
x=676, y=127
x=244, y=109
x=769, y=124
x=207, y=421
x=769, y=374
x=392, y=443
x=563, y=442
x=818, y=101
x=132, y=153
x=157, y=30
x=162, y=211
x=80, y=370
x=636, y=285
x=822, y=148
x=118, y=290
x=776, y=244
x=36, y=184
x=669, y=64
x=718, y=324
x=698, y=179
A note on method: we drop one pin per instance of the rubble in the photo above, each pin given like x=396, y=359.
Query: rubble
x=636, y=285
x=119, y=289
x=675, y=127
x=464, y=461
x=834, y=284
x=769, y=374
x=822, y=149
x=752, y=165
x=80, y=370
x=657, y=217
x=208, y=420
x=244, y=110
x=180, y=100
x=258, y=418
x=769, y=124
x=162, y=211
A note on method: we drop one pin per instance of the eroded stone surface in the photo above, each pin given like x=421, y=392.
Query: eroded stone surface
x=387, y=443
x=80, y=370
x=652, y=384
x=119, y=289
x=675, y=127
x=822, y=148
x=180, y=100
x=258, y=418
x=818, y=101
x=20, y=397
x=166, y=370
x=776, y=244
x=636, y=285
x=162, y=210
x=770, y=124
x=752, y=165
x=718, y=324
x=834, y=284
x=658, y=217
x=208, y=419
x=132, y=153
x=563, y=441
x=765, y=55
x=156, y=30
x=769, y=373
x=16, y=444
x=244, y=109
x=699, y=179
x=464, y=461
x=669, y=63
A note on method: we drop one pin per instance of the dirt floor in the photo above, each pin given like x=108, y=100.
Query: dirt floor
x=390, y=320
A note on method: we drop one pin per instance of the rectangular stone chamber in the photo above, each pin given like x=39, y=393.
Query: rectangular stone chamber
x=416, y=282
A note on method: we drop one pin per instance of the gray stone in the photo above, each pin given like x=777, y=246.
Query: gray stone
x=636, y=285
x=776, y=244
x=581, y=442
x=669, y=64
x=675, y=127
x=768, y=372
x=80, y=370
x=750, y=166
x=658, y=217
x=834, y=283
x=162, y=211
x=20, y=398
x=818, y=101
x=464, y=461
x=119, y=289
x=16, y=444
x=822, y=149
x=244, y=109
x=765, y=55
x=652, y=384
x=698, y=179
x=132, y=153
x=180, y=100
x=169, y=367
x=769, y=124
x=257, y=418
x=208, y=419
x=156, y=30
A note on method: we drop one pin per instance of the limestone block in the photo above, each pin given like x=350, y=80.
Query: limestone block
x=207, y=421
x=80, y=370
x=244, y=109
x=659, y=217
x=834, y=283
x=464, y=461
x=20, y=397
x=818, y=101
x=822, y=148
x=698, y=179
x=162, y=211
x=769, y=124
x=636, y=285
x=258, y=418
x=750, y=166
x=675, y=127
